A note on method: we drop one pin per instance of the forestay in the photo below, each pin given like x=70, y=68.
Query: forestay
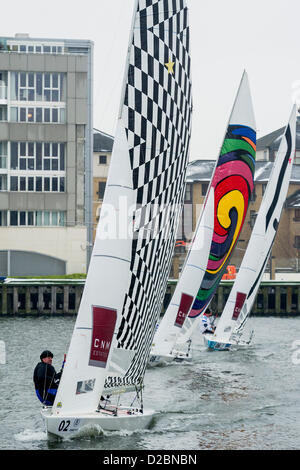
x=244, y=290
x=127, y=276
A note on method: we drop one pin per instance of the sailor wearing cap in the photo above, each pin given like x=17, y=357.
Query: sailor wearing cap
x=46, y=379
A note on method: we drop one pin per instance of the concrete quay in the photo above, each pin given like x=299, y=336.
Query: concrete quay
x=19, y=297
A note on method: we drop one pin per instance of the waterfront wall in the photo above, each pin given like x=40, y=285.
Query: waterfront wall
x=62, y=297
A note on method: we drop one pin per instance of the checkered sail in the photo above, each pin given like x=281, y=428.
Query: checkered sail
x=157, y=117
x=127, y=276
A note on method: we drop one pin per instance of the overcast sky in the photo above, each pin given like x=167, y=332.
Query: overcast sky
x=227, y=36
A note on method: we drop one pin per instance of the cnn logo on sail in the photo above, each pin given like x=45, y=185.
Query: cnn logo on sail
x=2, y=353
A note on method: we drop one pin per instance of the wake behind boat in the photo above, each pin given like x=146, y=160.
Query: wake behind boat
x=127, y=276
x=236, y=312
x=216, y=235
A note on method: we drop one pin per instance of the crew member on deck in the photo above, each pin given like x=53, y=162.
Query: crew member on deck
x=46, y=379
x=206, y=324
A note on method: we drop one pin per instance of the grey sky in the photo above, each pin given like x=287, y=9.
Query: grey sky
x=227, y=36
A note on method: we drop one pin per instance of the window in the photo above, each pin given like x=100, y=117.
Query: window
x=297, y=215
x=102, y=159
x=101, y=189
x=28, y=86
x=3, y=113
x=33, y=183
x=35, y=49
x=14, y=183
x=36, y=156
x=3, y=85
x=297, y=242
x=253, y=195
x=31, y=218
x=38, y=183
x=3, y=154
x=13, y=218
x=30, y=114
x=30, y=183
x=253, y=215
x=204, y=188
x=3, y=218
x=3, y=182
x=188, y=193
x=22, y=218
x=263, y=188
x=22, y=183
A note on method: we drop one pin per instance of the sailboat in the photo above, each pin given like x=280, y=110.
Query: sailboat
x=127, y=275
x=216, y=235
x=237, y=309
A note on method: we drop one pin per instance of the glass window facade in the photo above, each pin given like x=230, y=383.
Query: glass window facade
x=37, y=86
x=32, y=166
x=46, y=156
x=32, y=218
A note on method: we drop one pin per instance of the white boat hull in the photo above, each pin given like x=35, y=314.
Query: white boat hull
x=128, y=419
x=156, y=360
x=216, y=344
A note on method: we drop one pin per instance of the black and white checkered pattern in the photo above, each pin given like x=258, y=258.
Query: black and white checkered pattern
x=157, y=118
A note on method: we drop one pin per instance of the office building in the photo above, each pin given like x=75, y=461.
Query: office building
x=46, y=142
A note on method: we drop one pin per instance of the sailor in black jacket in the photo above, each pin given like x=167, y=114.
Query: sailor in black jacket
x=46, y=379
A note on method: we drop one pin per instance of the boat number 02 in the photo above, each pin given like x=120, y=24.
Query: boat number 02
x=63, y=425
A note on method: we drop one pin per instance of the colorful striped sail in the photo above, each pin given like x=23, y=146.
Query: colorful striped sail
x=218, y=227
x=232, y=183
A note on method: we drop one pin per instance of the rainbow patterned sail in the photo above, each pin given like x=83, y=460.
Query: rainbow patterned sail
x=232, y=184
x=217, y=232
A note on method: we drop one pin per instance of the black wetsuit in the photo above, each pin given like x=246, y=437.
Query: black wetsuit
x=46, y=382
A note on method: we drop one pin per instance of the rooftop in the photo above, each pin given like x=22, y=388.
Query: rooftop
x=102, y=142
x=201, y=170
x=293, y=201
x=272, y=140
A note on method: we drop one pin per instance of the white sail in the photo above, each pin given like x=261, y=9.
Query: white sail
x=173, y=320
x=244, y=290
x=229, y=192
x=127, y=276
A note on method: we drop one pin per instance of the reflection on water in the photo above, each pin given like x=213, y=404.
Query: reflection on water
x=245, y=399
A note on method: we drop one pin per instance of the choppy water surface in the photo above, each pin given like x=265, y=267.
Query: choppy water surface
x=246, y=399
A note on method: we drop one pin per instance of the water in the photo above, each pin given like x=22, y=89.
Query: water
x=223, y=400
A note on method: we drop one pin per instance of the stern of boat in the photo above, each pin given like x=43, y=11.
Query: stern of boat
x=216, y=345
x=122, y=419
